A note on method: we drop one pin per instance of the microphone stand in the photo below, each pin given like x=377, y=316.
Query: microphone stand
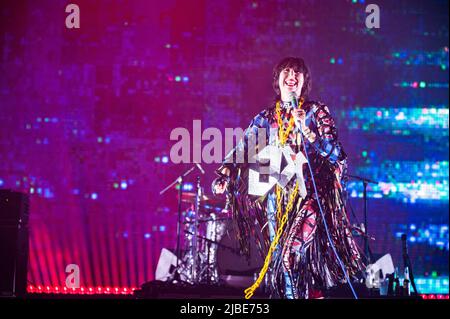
x=179, y=181
x=407, y=264
x=366, y=237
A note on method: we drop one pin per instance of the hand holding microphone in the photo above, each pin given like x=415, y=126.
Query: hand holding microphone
x=300, y=118
x=299, y=115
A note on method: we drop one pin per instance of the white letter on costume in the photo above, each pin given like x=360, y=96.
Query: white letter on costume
x=289, y=170
x=73, y=19
x=271, y=154
x=184, y=144
x=373, y=19
x=73, y=279
x=283, y=165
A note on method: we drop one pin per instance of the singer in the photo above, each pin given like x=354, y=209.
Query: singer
x=301, y=262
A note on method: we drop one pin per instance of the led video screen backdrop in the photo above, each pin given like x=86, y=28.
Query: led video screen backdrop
x=86, y=116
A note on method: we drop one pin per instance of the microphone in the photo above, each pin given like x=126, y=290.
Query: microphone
x=200, y=168
x=294, y=102
x=294, y=99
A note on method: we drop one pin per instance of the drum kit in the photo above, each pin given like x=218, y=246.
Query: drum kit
x=202, y=225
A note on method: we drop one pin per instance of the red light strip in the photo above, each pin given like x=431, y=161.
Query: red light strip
x=434, y=296
x=81, y=291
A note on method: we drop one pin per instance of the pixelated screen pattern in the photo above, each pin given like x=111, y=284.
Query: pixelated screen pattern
x=86, y=116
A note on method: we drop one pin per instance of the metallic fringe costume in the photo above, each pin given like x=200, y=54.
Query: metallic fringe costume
x=303, y=262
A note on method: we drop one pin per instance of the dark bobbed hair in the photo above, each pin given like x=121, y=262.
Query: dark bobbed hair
x=297, y=64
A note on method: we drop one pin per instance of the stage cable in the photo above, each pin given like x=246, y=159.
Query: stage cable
x=323, y=217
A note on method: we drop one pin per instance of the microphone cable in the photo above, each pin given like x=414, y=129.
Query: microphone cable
x=323, y=217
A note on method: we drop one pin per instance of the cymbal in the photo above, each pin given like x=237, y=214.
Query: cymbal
x=192, y=197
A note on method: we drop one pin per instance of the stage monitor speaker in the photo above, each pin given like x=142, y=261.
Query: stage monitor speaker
x=166, y=265
x=14, y=210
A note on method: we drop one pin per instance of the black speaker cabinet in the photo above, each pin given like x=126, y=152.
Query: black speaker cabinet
x=14, y=209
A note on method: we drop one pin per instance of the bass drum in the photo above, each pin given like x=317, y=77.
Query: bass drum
x=234, y=267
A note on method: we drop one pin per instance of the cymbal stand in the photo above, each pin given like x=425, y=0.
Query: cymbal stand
x=179, y=181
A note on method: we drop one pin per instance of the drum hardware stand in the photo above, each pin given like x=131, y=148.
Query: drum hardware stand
x=208, y=245
x=233, y=250
x=365, y=181
x=195, y=239
x=207, y=263
x=208, y=255
x=179, y=181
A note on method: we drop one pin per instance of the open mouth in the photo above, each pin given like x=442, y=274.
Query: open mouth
x=291, y=85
